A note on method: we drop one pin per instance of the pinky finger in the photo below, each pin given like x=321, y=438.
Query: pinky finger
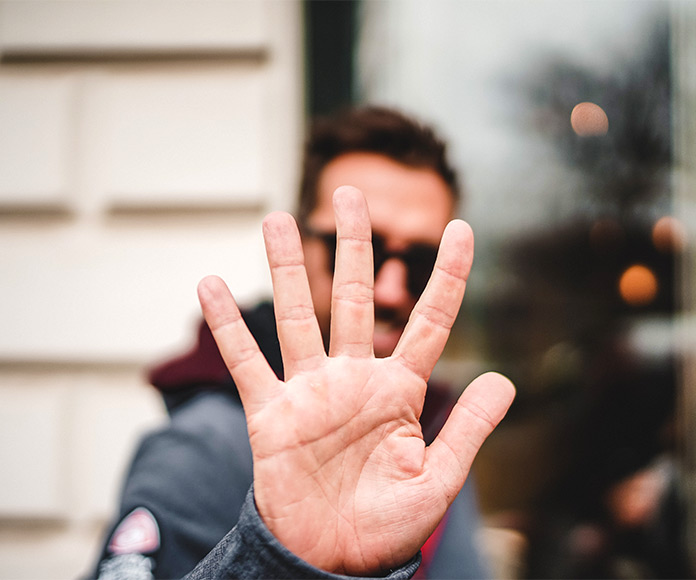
x=252, y=374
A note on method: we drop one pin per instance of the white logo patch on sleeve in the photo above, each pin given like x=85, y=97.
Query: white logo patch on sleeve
x=138, y=533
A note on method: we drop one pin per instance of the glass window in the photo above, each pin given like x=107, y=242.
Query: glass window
x=563, y=117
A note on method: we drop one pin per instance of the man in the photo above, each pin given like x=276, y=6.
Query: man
x=348, y=438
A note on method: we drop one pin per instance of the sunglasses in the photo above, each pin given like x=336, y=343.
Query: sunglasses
x=419, y=259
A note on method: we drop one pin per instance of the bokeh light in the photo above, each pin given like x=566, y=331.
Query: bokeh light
x=669, y=234
x=589, y=120
x=638, y=285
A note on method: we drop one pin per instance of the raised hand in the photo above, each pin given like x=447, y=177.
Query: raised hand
x=342, y=476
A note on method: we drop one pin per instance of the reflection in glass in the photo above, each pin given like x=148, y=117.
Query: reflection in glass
x=561, y=116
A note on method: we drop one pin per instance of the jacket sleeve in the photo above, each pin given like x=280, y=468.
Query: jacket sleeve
x=191, y=476
x=250, y=551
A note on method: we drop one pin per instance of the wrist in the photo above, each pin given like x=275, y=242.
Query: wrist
x=280, y=562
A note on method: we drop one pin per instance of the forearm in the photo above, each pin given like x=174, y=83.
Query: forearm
x=250, y=551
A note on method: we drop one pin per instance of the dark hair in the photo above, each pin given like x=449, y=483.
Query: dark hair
x=371, y=130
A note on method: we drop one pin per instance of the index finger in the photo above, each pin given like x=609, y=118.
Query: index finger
x=428, y=328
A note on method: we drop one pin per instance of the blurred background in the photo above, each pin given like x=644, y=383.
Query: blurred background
x=141, y=144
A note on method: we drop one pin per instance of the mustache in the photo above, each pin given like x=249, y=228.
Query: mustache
x=391, y=316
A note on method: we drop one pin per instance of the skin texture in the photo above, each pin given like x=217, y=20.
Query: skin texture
x=342, y=476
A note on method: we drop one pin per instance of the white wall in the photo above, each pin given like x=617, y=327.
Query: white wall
x=141, y=143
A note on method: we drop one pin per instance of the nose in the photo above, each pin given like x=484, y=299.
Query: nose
x=391, y=290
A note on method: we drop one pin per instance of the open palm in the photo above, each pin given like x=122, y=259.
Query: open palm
x=342, y=476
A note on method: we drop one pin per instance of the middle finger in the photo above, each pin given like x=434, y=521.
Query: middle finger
x=352, y=305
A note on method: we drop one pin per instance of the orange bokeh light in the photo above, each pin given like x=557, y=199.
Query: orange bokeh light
x=669, y=234
x=638, y=285
x=589, y=120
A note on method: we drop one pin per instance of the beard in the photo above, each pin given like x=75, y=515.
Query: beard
x=389, y=325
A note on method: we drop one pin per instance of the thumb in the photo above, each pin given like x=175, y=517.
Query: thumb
x=478, y=411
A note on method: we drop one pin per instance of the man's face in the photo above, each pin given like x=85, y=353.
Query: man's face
x=409, y=209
